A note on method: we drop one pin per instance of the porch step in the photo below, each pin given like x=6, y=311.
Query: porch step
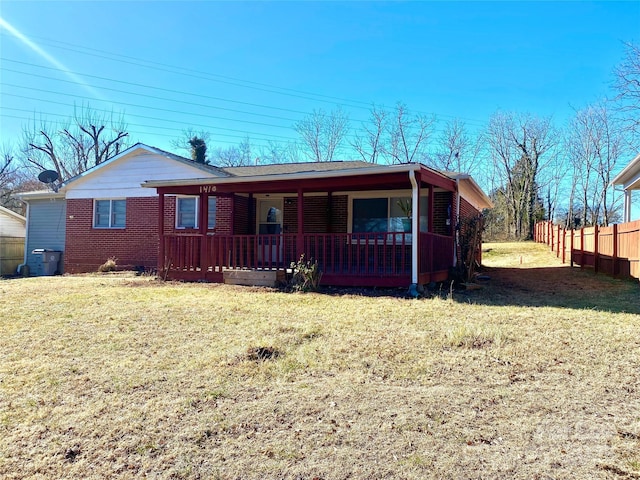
x=257, y=278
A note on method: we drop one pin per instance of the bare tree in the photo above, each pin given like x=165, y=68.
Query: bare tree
x=323, y=133
x=13, y=179
x=456, y=150
x=627, y=84
x=7, y=173
x=595, y=147
x=395, y=136
x=73, y=147
x=276, y=152
x=370, y=145
x=407, y=136
x=518, y=144
x=552, y=182
x=234, y=156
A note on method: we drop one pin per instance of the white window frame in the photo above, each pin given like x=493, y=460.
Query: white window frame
x=215, y=212
x=110, y=226
x=196, y=213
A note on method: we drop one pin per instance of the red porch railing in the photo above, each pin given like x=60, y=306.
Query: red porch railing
x=380, y=259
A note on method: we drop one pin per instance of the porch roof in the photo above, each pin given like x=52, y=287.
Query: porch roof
x=629, y=177
x=309, y=177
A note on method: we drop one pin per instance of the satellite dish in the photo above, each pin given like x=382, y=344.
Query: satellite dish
x=48, y=176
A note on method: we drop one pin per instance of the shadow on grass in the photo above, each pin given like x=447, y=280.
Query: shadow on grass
x=562, y=286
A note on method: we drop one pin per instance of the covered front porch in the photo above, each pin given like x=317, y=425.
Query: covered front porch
x=344, y=259
x=368, y=226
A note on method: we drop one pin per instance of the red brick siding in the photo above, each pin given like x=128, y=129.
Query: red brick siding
x=169, y=215
x=135, y=245
x=241, y=221
x=467, y=210
x=318, y=216
x=339, y=217
x=441, y=203
x=223, y=215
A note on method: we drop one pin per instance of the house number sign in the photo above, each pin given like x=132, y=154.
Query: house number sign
x=207, y=188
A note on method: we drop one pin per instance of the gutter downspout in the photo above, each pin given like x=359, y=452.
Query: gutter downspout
x=21, y=267
x=414, y=231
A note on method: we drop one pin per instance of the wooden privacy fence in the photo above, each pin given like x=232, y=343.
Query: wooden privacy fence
x=614, y=250
x=11, y=254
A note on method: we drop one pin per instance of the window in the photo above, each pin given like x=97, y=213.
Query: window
x=385, y=214
x=211, y=221
x=370, y=215
x=109, y=213
x=186, y=212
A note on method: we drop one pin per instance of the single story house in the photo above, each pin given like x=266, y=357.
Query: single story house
x=12, y=233
x=629, y=179
x=365, y=224
x=104, y=212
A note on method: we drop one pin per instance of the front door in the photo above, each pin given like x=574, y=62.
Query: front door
x=269, y=223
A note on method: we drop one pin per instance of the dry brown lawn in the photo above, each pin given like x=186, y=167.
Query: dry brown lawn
x=537, y=375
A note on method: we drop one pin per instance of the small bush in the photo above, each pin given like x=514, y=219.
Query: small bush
x=306, y=275
x=108, y=266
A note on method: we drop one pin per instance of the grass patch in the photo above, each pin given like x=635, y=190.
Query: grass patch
x=467, y=336
x=118, y=376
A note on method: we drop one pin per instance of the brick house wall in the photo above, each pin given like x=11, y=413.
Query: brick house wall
x=224, y=207
x=441, y=203
x=242, y=224
x=223, y=216
x=467, y=210
x=134, y=246
x=319, y=216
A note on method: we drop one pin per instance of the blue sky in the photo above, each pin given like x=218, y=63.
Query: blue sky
x=254, y=68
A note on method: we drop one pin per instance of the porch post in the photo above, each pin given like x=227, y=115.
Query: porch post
x=627, y=206
x=204, y=225
x=414, y=229
x=299, y=235
x=430, y=213
x=416, y=234
x=251, y=215
x=329, y=211
x=614, y=258
x=161, y=233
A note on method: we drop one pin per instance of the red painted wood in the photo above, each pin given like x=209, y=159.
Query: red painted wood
x=358, y=258
x=366, y=181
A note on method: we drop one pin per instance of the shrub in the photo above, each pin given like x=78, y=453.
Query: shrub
x=108, y=266
x=306, y=275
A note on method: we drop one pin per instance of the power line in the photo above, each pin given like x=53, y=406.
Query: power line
x=251, y=140
x=140, y=106
x=209, y=97
x=184, y=102
x=208, y=76
x=353, y=129
x=146, y=117
x=149, y=118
